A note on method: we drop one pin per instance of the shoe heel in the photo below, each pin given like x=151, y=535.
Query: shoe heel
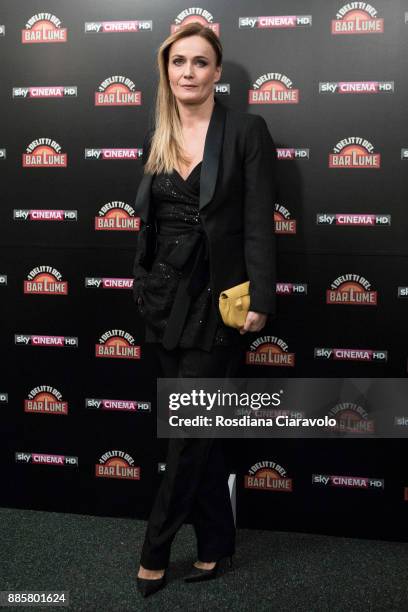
x=147, y=587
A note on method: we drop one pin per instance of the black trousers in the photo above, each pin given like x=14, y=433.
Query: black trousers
x=195, y=484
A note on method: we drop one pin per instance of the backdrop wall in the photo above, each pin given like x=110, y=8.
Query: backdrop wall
x=77, y=390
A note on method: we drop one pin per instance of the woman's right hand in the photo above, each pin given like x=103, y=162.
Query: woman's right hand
x=138, y=285
x=254, y=322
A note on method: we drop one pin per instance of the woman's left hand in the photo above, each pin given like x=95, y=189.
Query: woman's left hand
x=254, y=322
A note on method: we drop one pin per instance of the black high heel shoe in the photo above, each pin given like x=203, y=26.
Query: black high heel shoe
x=198, y=575
x=147, y=586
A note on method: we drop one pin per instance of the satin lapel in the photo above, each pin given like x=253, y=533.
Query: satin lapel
x=209, y=169
x=212, y=153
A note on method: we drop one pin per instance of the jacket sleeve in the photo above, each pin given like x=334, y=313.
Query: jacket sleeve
x=259, y=205
x=139, y=271
x=146, y=146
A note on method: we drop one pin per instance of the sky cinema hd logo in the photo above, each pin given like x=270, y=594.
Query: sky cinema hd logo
x=351, y=289
x=117, y=405
x=350, y=482
x=357, y=18
x=45, y=340
x=291, y=288
x=291, y=154
x=351, y=354
x=108, y=283
x=48, y=91
x=354, y=219
x=117, y=216
x=273, y=88
x=357, y=87
x=274, y=21
x=402, y=292
x=354, y=152
x=44, y=214
x=118, y=27
x=113, y=153
x=44, y=28
x=268, y=476
x=195, y=14
x=118, y=90
x=45, y=459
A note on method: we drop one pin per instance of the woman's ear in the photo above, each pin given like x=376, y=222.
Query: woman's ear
x=219, y=71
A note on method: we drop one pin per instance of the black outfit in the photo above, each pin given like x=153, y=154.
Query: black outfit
x=238, y=193
x=191, y=341
x=178, y=305
x=235, y=209
x=195, y=484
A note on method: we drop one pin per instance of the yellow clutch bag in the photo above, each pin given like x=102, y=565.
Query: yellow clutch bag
x=234, y=305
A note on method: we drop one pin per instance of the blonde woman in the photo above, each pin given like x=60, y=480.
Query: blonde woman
x=206, y=203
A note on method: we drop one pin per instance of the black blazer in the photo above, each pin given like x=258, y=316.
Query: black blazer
x=237, y=202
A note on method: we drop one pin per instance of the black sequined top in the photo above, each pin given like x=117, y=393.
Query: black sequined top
x=178, y=304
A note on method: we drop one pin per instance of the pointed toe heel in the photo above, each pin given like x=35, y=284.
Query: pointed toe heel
x=199, y=575
x=147, y=586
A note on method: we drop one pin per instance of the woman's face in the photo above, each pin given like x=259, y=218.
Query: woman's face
x=192, y=63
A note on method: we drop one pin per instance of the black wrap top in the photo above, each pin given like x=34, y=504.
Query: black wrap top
x=177, y=303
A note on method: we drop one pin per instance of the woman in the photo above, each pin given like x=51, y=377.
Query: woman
x=206, y=203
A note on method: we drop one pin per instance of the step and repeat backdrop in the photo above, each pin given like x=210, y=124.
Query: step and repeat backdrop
x=78, y=382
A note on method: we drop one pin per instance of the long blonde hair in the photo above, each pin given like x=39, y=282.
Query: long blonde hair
x=166, y=148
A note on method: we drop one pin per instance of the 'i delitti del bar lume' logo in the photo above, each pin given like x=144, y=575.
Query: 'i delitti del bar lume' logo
x=117, y=344
x=268, y=476
x=351, y=289
x=46, y=400
x=118, y=90
x=273, y=88
x=44, y=28
x=357, y=18
x=117, y=216
x=195, y=14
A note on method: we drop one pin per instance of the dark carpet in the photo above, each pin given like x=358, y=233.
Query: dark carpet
x=96, y=559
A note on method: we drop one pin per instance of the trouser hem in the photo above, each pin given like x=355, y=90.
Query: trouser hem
x=154, y=564
x=210, y=557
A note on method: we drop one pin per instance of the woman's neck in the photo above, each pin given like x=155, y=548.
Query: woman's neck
x=192, y=115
